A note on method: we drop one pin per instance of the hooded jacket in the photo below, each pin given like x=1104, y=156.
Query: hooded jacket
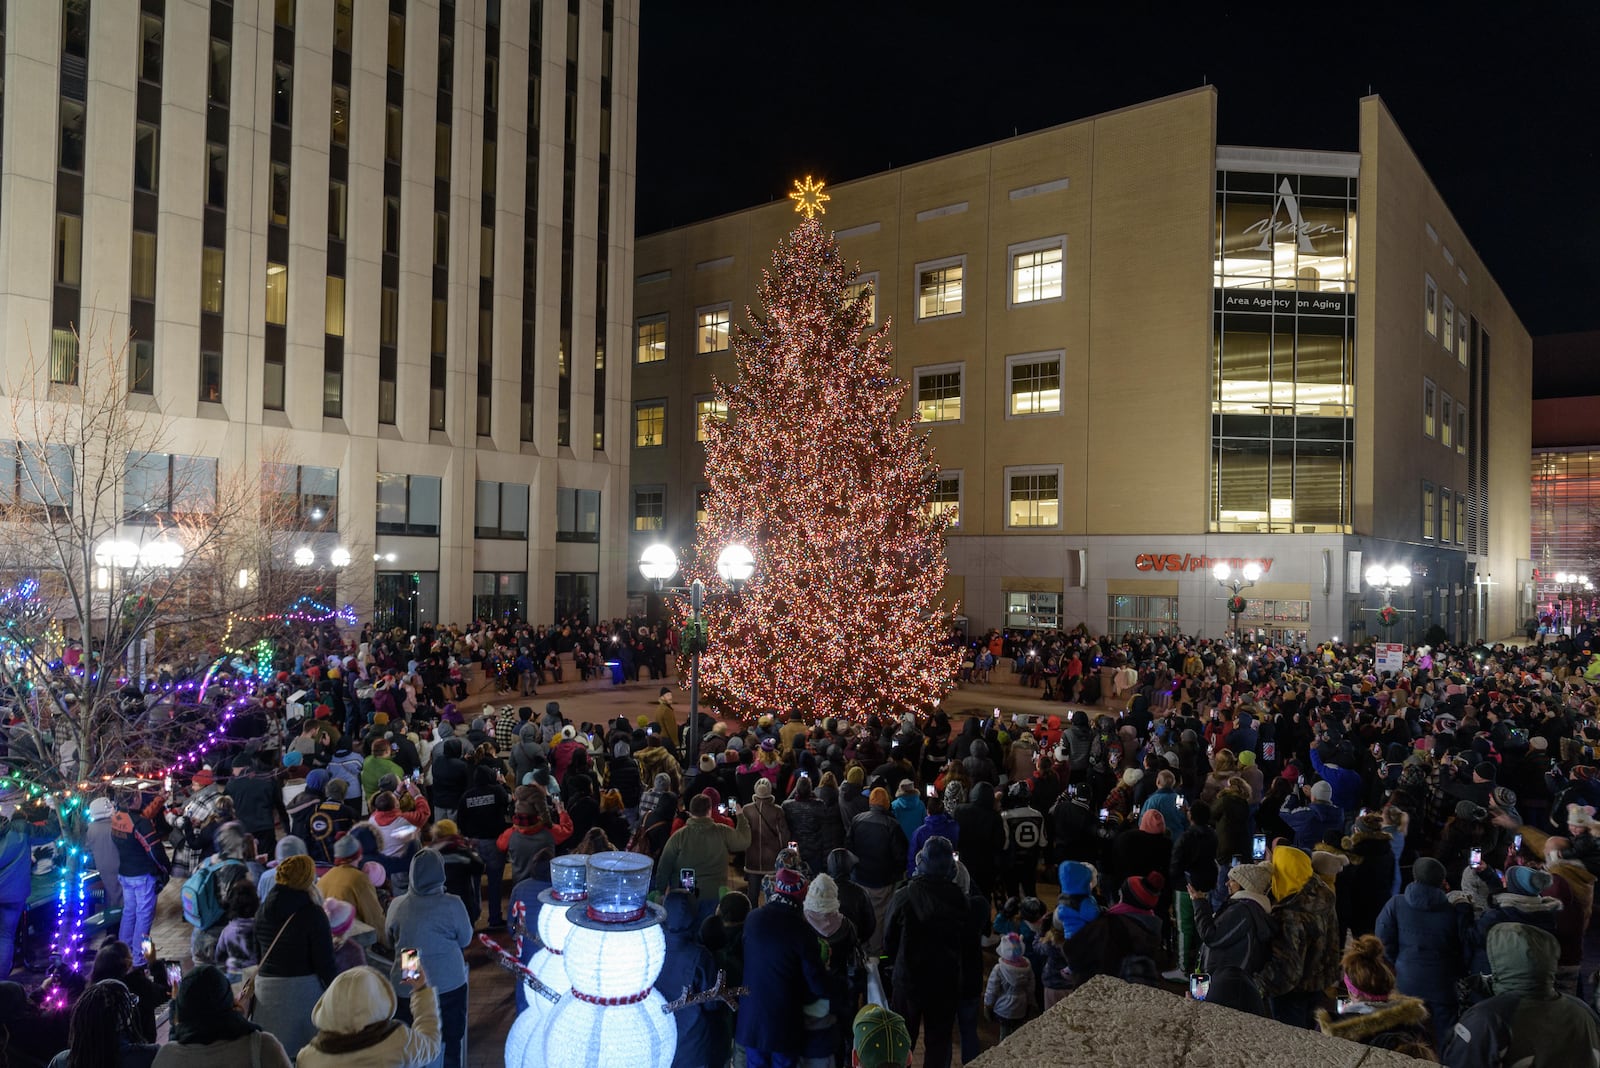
x=1526, y=1022
x=910, y=810
x=1009, y=992
x=432, y=921
x=451, y=775
x=983, y=835
x=688, y=967
x=1305, y=955
x=360, y=1000
x=1428, y=939
x=925, y=931
x=1235, y=945
x=943, y=826
x=482, y=811
x=1540, y=912
x=1077, y=906
x=1385, y=1024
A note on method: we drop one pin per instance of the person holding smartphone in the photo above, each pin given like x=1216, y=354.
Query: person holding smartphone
x=435, y=927
x=350, y=1016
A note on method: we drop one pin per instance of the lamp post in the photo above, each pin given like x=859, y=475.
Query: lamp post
x=1386, y=580
x=1568, y=586
x=1223, y=573
x=658, y=563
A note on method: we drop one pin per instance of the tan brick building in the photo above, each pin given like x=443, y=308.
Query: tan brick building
x=1139, y=352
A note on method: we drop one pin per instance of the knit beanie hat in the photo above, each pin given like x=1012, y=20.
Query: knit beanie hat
x=1247, y=759
x=297, y=872
x=1153, y=822
x=337, y=788
x=1428, y=872
x=708, y=763
x=1486, y=771
x=790, y=884
x=1011, y=948
x=907, y=789
x=1322, y=791
x=763, y=788
x=289, y=845
x=1142, y=891
x=955, y=793
x=446, y=829
x=857, y=775
x=101, y=808
x=347, y=848
x=823, y=896
x=936, y=858
x=1256, y=878
x=1132, y=777
x=879, y=798
x=1529, y=882
x=341, y=914
x=355, y=1000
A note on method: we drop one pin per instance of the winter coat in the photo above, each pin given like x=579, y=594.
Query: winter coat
x=1525, y=1023
x=1230, y=814
x=1137, y=852
x=1009, y=994
x=1236, y=943
x=688, y=967
x=255, y=1048
x=368, y=1004
x=1107, y=943
x=805, y=828
x=1364, y=884
x=983, y=836
x=463, y=871
x=1312, y=823
x=140, y=851
x=1540, y=912
x=1194, y=860
x=17, y=839
x=942, y=826
x=451, y=775
x=1384, y=1024
x=98, y=839
x=1076, y=908
x=769, y=834
x=1428, y=939
x=880, y=847
x=1346, y=782
x=530, y=847
x=435, y=923
x=1166, y=803
x=852, y=803
x=346, y=765
x=910, y=810
x=622, y=775
x=306, y=948
x=350, y=884
x=782, y=971
x=703, y=844
x=925, y=933
x=833, y=828
x=482, y=811
x=1305, y=953
x=256, y=799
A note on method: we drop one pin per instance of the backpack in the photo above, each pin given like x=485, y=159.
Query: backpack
x=202, y=903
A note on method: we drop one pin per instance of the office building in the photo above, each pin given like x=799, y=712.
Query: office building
x=1139, y=353
x=374, y=252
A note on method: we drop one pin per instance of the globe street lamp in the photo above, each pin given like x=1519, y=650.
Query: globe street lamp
x=735, y=565
x=1223, y=573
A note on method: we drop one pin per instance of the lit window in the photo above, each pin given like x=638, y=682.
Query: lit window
x=64, y=357
x=650, y=339
x=338, y=194
x=211, y=261
x=649, y=508
x=69, y=250
x=1036, y=270
x=705, y=410
x=946, y=496
x=283, y=13
x=340, y=115
x=1033, y=496
x=939, y=288
x=865, y=285
x=1446, y=405
x=277, y=294
x=333, y=314
x=1033, y=611
x=1446, y=521
x=343, y=24
x=702, y=498
x=1428, y=404
x=712, y=325
x=1461, y=428
x=1428, y=505
x=144, y=265
x=393, y=132
x=650, y=424
x=1447, y=331
x=1430, y=305
x=211, y=377
x=1463, y=336
x=1461, y=519
x=1035, y=384
x=939, y=393
x=397, y=42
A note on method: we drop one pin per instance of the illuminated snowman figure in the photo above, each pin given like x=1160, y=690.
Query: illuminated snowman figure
x=569, y=884
x=613, y=1017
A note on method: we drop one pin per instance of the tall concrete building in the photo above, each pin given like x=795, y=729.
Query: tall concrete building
x=1138, y=353
x=383, y=247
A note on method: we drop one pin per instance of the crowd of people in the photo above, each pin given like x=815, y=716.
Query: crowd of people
x=1405, y=860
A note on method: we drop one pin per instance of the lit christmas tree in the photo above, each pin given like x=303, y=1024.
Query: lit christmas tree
x=815, y=469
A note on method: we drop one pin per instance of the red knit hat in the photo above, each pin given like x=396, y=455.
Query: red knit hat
x=787, y=882
x=1143, y=891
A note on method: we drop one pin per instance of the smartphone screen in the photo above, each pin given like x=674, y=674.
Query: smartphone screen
x=410, y=964
x=174, y=975
x=686, y=878
x=1181, y=801
x=1199, y=986
x=1341, y=1006
x=794, y=845
x=1516, y=844
x=1475, y=857
x=933, y=791
x=1258, y=847
x=1103, y=814
x=147, y=947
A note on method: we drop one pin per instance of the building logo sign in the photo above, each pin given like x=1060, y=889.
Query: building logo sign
x=1293, y=223
x=1190, y=562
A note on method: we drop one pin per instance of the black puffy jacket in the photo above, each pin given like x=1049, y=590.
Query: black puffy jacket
x=880, y=846
x=805, y=820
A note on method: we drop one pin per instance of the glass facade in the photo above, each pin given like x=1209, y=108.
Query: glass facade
x=1566, y=514
x=1137, y=613
x=1283, y=353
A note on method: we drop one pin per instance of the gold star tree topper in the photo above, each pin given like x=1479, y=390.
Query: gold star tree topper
x=808, y=197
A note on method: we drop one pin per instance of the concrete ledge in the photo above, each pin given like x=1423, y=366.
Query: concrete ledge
x=1108, y=1024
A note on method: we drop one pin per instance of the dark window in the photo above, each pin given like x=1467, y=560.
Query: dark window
x=577, y=515
x=408, y=504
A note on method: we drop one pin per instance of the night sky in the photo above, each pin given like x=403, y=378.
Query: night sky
x=1501, y=103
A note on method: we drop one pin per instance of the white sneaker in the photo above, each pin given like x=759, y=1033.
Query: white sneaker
x=989, y=941
x=1175, y=975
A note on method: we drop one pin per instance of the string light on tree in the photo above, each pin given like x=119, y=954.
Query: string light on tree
x=816, y=468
